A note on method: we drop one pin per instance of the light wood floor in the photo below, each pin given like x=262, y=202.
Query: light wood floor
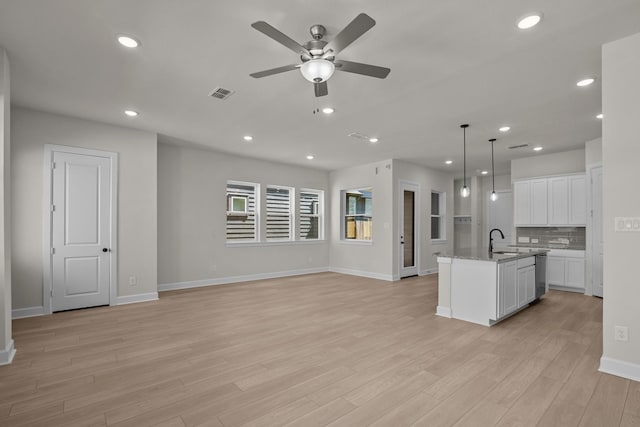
x=323, y=349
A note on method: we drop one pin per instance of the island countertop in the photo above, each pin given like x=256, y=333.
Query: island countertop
x=482, y=254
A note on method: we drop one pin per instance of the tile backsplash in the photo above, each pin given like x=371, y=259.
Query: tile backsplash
x=552, y=237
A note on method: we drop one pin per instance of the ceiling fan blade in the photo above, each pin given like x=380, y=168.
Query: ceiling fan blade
x=280, y=37
x=273, y=71
x=321, y=89
x=360, y=25
x=364, y=69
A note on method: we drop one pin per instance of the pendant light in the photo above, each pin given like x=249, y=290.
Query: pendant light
x=464, y=191
x=494, y=196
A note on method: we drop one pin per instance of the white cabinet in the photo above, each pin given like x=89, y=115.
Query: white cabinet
x=557, y=199
x=530, y=202
x=508, y=288
x=577, y=200
x=526, y=285
x=552, y=201
x=565, y=270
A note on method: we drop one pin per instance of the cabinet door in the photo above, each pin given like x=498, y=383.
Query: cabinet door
x=521, y=203
x=577, y=200
x=508, y=288
x=558, y=201
x=531, y=283
x=574, y=272
x=538, y=202
x=522, y=286
x=555, y=270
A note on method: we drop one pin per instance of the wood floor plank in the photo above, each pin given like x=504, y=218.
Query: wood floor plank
x=318, y=349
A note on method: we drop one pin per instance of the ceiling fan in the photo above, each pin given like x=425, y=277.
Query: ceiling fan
x=319, y=57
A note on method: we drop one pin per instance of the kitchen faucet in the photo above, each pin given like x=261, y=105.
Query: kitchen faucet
x=491, y=238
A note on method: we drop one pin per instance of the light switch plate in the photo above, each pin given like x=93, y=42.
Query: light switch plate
x=625, y=223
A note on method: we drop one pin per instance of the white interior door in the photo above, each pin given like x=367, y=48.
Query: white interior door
x=500, y=215
x=80, y=230
x=409, y=236
x=596, y=232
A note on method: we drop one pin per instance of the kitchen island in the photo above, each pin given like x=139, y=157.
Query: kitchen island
x=486, y=287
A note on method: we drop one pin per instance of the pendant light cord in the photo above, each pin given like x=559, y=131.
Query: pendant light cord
x=493, y=170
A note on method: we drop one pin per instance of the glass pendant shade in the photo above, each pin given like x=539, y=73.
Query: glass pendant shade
x=317, y=70
x=464, y=191
x=494, y=196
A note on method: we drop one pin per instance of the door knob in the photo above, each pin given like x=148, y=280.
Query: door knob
x=105, y=250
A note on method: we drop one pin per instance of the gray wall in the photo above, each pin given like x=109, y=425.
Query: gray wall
x=373, y=259
x=428, y=180
x=566, y=162
x=137, y=204
x=621, y=151
x=5, y=212
x=593, y=152
x=192, y=247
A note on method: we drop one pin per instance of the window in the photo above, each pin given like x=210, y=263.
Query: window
x=358, y=214
x=310, y=215
x=438, y=215
x=241, y=211
x=279, y=217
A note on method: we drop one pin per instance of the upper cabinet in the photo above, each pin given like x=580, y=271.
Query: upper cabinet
x=555, y=201
x=530, y=202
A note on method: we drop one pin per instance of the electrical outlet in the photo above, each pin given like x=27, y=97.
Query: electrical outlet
x=621, y=333
x=523, y=239
x=534, y=240
x=133, y=280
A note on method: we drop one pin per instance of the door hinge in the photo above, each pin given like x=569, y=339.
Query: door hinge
x=53, y=165
x=51, y=292
x=53, y=251
x=53, y=208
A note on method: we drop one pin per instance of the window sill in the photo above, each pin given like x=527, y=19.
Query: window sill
x=275, y=243
x=357, y=242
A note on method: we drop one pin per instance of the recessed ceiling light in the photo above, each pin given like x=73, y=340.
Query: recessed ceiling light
x=505, y=129
x=449, y=162
x=310, y=157
x=373, y=140
x=538, y=148
x=247, y=138
x=586, y=82
x=129, y=42
x=600, y=116
x=131, y=113
x=529, y=21
x=328, y=110
x=484, y=172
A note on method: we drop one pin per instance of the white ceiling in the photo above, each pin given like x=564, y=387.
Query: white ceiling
x=451, y=62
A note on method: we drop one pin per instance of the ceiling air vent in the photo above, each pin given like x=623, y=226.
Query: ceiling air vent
x=221, y=93
x=518, y=146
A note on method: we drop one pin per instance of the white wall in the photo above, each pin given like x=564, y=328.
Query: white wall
x=620, y=154
x=428, y=180
x=503, y=182
x=137, y=204
x=373, y=259
x=6, y=343
x=566, y=162
x=593, y=152
x=192, y=248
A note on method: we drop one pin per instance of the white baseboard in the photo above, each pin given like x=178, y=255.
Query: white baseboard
x=443, y=311
x=6, y=355
x=429, y=271
x=20, y=313
x=620, y=368
x=237, y=279
x=131, y=299
x=387, y=277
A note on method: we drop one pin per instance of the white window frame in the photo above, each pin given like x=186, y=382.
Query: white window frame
x=318, y=212
x=256, y=212
x=343, y=214
x=442, y=215
x=290, y=215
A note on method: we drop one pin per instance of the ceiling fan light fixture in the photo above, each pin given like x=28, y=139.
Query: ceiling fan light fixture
x=317, y=70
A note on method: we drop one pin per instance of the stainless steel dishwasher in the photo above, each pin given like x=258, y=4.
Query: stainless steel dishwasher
x=541, y=275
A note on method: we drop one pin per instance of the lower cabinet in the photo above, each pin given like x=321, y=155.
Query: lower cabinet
x=517, y=285
x=565, y=272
